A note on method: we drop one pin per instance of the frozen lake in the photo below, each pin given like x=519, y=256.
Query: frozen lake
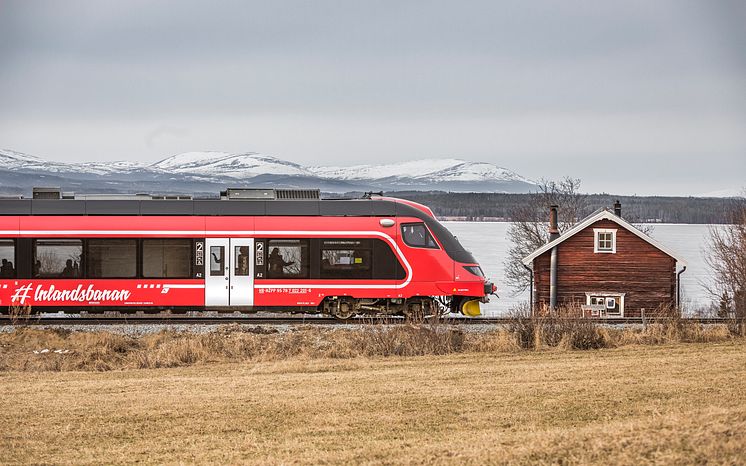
x=489, y=244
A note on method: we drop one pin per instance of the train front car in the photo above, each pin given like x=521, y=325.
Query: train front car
x=449, y=270
x=250, y=250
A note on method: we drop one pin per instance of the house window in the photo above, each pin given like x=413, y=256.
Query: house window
x=603, y=304
x=605, y=240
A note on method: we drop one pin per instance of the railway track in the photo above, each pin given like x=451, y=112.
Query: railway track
x=290, y=320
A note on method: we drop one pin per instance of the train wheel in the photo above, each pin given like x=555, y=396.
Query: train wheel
x=343, y=309
x=418, y=310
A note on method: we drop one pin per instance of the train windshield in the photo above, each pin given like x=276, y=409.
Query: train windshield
x=450, y=243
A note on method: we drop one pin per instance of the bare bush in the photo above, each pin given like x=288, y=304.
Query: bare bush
x=33, y=349
x=19, y=314
x=726, y=256
x=522, y=326
x=563, y=328
x=30, y=349
x=528, y=231
x=410, y=340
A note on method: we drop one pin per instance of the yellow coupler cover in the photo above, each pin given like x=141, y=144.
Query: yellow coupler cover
x=471, y=308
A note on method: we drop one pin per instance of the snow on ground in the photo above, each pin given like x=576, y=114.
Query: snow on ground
x=728, y=192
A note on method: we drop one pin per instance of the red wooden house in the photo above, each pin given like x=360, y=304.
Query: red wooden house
x=605, y=265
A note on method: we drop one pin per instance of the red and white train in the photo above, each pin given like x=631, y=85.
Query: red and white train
x=250, y=250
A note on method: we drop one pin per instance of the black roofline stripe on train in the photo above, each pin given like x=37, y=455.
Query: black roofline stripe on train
x=200, y=207
x=233, y=207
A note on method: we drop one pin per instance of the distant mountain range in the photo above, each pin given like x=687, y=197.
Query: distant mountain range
x=209, y=172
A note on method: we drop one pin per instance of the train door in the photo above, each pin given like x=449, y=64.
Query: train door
x=229, y=279
x=242, y=272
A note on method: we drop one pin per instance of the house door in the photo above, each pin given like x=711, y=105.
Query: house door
x=229, y=278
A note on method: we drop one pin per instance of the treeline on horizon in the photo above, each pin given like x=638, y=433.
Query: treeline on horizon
x=499, y=206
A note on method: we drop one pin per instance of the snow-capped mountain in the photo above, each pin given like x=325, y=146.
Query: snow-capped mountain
x=18, y=161
x=210, y=171
x=224, y=164
x=12, y=160
x=431, y=174
x=425, y=169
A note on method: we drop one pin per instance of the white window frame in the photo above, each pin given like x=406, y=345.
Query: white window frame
x=596, y=234
x=607, y=294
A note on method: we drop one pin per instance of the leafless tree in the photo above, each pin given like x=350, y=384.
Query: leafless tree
x=726, y=256
x=529, y=229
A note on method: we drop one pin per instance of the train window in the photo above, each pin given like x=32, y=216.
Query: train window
x=417, y=235
x=217, y=261
x=241, y=261
x=385, y=263
x=346, y=259
x=343, y=258
x=166, y=258
x=288, y=258
x=111, y=258
x=57, y=258
x=8, y=257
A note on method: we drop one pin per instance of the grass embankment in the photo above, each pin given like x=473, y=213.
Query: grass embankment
x=29, y=349
x=662, y=404
x=491, y=403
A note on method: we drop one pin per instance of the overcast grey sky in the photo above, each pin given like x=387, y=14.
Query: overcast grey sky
x=645, y=97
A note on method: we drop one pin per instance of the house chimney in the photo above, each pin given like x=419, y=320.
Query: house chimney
x=553, y=234
x=617, y=208
x=553, y=228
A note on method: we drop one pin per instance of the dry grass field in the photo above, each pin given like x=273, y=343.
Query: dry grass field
x=671, y=404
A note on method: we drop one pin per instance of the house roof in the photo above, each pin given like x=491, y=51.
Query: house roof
x=602, y=214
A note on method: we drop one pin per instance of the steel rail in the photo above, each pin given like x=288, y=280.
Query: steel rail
x=304, y=320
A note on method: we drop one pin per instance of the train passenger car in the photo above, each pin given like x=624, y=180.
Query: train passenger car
x=250, y=250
